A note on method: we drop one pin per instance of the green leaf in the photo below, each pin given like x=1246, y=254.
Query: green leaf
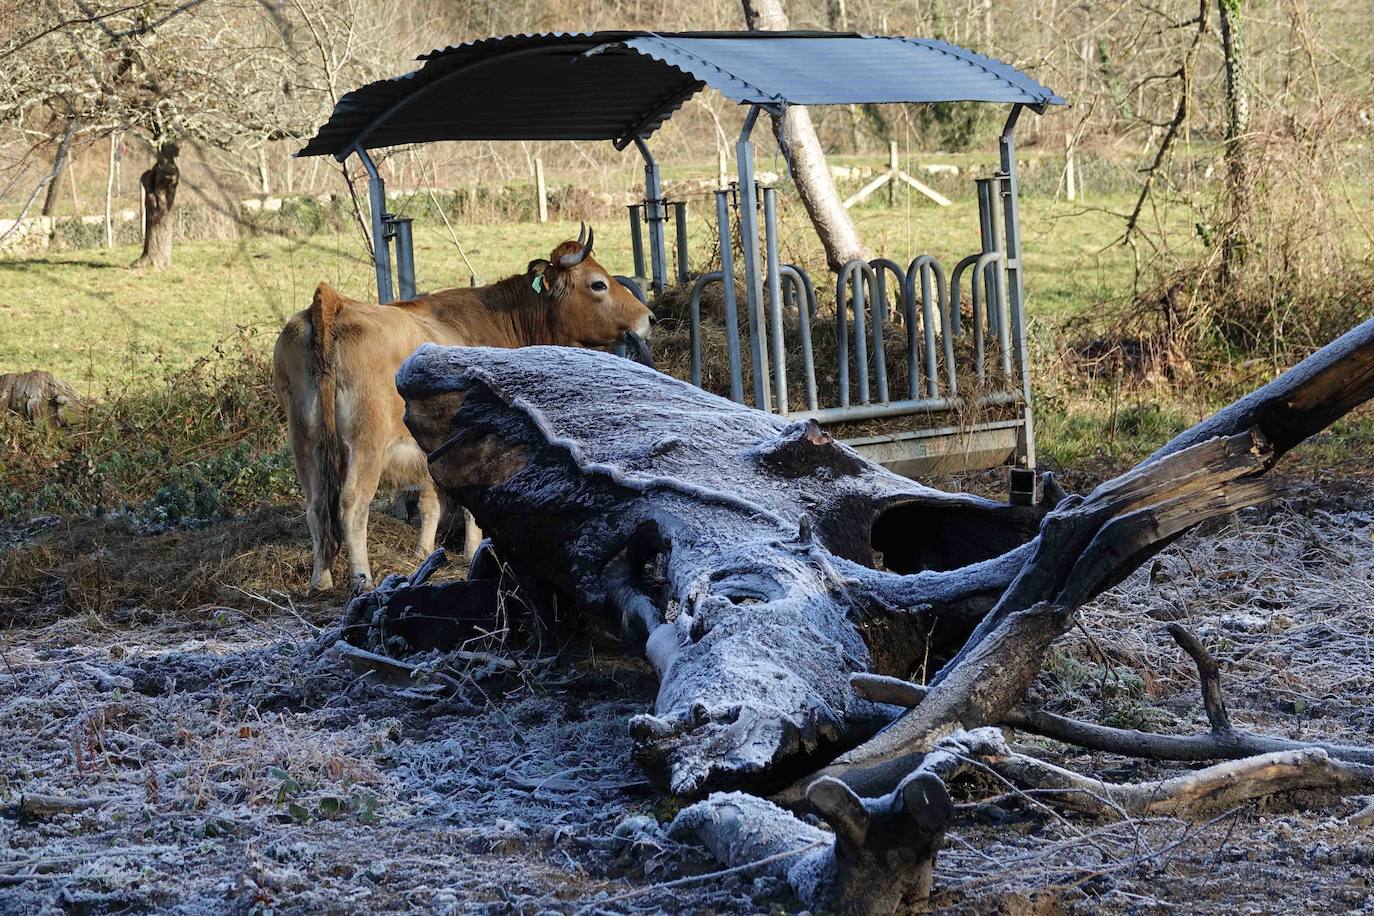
x=298, y=812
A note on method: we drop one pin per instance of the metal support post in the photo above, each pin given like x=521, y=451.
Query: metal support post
x=381, y=245
x=654, y=213
x=680, y=228
x=727, y=272
x=991, y=241
x=1016, y=293
x=778, y=350
x=749, y=241
x=637, y=242
x=405, y=255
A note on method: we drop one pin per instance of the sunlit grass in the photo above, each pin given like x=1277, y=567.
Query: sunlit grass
x=90, y=319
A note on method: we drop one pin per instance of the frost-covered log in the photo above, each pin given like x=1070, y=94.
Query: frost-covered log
x=760, y=565
x=737, y=548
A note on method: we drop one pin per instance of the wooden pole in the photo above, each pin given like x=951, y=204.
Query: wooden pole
x=540, y=190
x=71, y=175
x=109, y=191
x=1070, y=178
x=892, y=169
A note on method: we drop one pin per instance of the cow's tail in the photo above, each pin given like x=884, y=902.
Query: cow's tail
x=328, y=463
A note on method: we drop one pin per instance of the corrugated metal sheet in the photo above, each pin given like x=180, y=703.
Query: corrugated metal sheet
x=615, y=85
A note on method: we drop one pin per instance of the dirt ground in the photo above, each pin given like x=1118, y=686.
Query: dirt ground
x=222, y=757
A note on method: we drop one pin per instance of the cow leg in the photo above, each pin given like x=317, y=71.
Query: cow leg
x=317, y=512
x=359, y=486
x=430, y=510
x=317, y=519
x=472, y=535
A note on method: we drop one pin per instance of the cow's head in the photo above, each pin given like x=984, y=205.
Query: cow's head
x=590, y=307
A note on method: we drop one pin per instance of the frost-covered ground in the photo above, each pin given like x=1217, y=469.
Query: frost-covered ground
x=229, y=766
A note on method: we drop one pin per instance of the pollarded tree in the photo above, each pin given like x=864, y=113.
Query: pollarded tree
x=229, y=75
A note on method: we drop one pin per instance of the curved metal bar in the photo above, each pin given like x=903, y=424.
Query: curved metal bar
x=806, y=284
x=933, y=314
x=955, y=284
x=694, y=302
x=860, y=276
x=727, y=270
x=633, y=286
x=955, y=280
x=655, y=214
x=800, y=285
x=925, y=267
x=881, y=267
x=913, y=362
x=981, y=319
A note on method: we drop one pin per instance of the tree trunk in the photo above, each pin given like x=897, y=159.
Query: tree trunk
x=1239, y=176
x=676, y=515
x=761, y=566
x=59, y=165
x=159, y=195
x=806, y=160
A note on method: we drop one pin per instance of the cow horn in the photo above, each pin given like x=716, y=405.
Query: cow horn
x=581, y=232
x=572, y=260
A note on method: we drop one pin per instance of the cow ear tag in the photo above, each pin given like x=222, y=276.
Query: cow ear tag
x=538, y=284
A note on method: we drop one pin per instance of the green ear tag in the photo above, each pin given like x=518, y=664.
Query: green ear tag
x=538, y=284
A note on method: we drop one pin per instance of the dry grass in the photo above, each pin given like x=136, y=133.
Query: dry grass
x=105, y=568
x=673, y=356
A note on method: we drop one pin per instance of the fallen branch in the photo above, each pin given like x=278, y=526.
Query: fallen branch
x=32, y=804
x=1226, y=743
x=1216, y=787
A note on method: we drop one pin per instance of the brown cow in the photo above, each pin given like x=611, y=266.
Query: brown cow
x=334, y=370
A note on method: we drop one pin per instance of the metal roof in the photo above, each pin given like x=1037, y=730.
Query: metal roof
x=622, y=85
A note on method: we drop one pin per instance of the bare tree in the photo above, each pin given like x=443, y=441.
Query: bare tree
x=228, y=76
x=1239, y=180
x=806, y=160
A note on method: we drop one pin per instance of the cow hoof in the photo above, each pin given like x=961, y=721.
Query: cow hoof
x=323, y=582
x=359, y=583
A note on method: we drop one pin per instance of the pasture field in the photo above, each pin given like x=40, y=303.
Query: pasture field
x=85, y=317
x=178, y=361
x=162, y=656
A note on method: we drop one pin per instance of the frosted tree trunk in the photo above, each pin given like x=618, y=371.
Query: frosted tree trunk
x=797, y=135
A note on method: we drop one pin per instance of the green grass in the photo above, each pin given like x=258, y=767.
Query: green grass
x=88, y=318
x=187, y=428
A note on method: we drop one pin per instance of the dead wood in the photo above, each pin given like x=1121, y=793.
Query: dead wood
x=880, y=854
x=742, y=553
x=736, y=547
x=1082, y=549
x=32, y=804
x=1220, y=744
x=37, y=396
x=1204, y=791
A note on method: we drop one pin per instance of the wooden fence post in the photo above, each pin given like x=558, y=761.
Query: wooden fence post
x=893, y=167
x=540, y=190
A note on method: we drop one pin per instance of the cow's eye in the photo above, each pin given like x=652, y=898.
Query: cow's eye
x=598, y=286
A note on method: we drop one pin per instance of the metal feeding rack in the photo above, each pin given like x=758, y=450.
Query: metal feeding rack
x=970, y=373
